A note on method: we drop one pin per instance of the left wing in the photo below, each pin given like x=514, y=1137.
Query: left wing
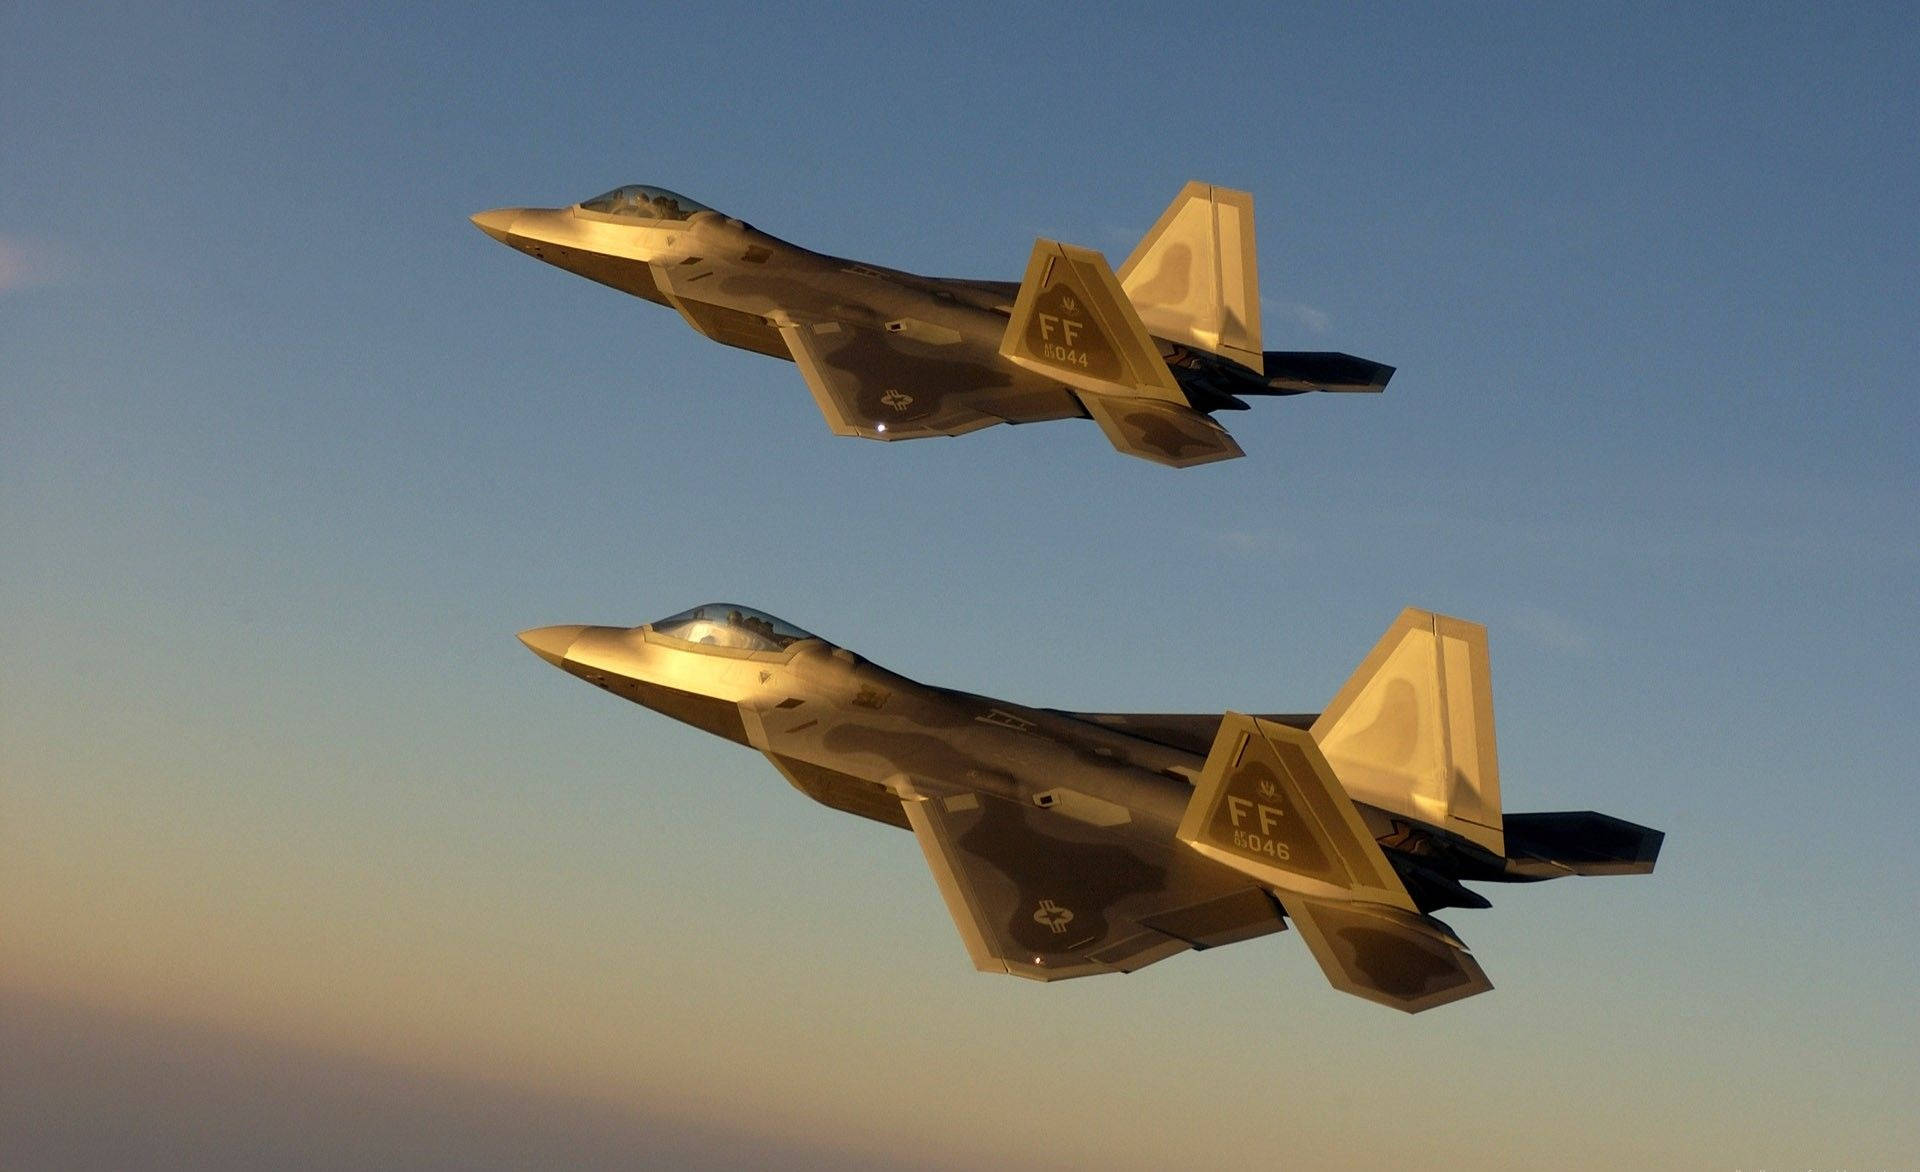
x=1056, y=891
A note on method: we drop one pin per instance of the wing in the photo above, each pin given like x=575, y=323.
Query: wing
x=1049, y=893
x=912, y=379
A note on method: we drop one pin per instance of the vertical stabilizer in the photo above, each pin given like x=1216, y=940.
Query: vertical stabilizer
x=1071, y=322
x=1194, y=279
x=1268, y=805
x=1412, y=730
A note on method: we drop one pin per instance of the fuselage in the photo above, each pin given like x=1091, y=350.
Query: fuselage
x=861, y=738
x=824, y=706
x=892, y=355
x=1071, y=844
x=739, y=285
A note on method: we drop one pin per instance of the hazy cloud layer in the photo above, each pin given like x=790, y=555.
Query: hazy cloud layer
x=88, y=1089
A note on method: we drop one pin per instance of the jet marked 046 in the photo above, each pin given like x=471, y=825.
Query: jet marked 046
x=1148, y=353
x=1072, y=843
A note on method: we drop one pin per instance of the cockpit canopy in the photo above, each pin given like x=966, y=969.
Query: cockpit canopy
x=723, y=624
x=636, y=201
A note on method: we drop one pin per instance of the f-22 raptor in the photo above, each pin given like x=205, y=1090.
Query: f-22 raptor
x=1073, y=843
x=1149, y=353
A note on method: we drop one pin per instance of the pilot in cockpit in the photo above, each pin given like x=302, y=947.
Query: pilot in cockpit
x=637, y=201
x=740, y=628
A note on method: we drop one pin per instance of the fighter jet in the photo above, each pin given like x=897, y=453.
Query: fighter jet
x=1073, y=843
x=1148, y=353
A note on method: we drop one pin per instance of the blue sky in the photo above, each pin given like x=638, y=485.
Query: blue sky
x=288, y=451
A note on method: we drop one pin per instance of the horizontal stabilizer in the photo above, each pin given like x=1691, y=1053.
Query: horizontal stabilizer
x=1579, y=842
x=1166, y=433
x=1293, y=371
x=1386, y=954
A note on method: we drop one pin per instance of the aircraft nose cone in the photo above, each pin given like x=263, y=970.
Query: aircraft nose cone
x=551, y=643
x=497, y=223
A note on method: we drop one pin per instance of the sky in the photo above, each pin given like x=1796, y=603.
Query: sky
x=305, y=862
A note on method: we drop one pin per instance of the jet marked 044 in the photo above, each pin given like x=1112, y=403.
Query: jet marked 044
x=1072, y=843
x=1148, y=353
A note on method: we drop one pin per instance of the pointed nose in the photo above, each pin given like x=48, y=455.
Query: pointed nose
x=551, y=643
x=497, y=223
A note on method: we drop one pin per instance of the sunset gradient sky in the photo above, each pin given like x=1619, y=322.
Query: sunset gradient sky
x=306, y=863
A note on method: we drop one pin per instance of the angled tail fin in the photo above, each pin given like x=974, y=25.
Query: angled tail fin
x=1412, y=730
x=1194, y=277
x=1268, y=805
x=1072, y=323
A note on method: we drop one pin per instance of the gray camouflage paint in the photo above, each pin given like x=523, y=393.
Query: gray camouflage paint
x=892, y=355
x=1056, y=837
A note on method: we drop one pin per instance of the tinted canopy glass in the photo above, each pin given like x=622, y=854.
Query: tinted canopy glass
x=640, y=202
x=723, y=624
